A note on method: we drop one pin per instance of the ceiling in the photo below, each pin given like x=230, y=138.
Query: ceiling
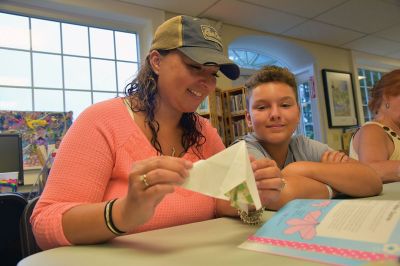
x=371, y=26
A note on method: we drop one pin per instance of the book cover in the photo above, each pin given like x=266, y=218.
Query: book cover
x=337, y=232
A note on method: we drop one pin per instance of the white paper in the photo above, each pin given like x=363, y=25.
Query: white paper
x=224, y=172
x=366, y=220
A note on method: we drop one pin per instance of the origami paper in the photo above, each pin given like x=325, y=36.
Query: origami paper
x=227, y=175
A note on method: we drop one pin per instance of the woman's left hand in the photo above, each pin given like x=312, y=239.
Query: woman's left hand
x=268, y=179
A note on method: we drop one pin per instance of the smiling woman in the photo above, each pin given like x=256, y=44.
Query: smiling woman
x=118, y=167
x=308, y=166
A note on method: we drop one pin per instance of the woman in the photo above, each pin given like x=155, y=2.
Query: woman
x=309, y=167
x=119, y=166
x=377, y=143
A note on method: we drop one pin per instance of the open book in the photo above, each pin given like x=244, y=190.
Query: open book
x=338, y=232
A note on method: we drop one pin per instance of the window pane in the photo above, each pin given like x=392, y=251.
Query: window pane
x=363, y=81
x=15, y=99
x=76, y=73
x=102, y=96
x=126, y=73
x=75, y=39
x=376, y=77
x=15, y=68
x=14, y=31
x=103, y=75
x=101, y=43
x=77, y=101
x=364, y=97
x=48, y=100
x=126, y=46
x=368, y=77
x=47, y=70
x=46, y=36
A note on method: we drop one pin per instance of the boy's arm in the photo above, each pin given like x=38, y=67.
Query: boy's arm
x=299, y=187
x=351, y=178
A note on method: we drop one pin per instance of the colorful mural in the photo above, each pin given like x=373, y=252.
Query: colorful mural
x=36, y=128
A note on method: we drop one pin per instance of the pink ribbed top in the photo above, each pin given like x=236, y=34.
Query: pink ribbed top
x=93, y=163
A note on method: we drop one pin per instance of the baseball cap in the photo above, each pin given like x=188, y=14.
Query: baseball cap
x=197, y=39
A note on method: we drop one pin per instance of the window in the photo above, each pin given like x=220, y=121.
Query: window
x=306, y=125
x=48, y=65
x=367, y=79
x=251, y=59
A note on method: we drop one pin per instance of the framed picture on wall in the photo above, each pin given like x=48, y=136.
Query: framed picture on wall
x=339, y=98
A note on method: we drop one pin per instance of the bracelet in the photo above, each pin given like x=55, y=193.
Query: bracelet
x=330, y=191
x=251, y=217
x=108, y=218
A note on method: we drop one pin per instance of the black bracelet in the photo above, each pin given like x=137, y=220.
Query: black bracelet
x=108, y=218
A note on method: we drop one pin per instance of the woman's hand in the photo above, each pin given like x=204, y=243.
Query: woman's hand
x=149, y=181
x=334, y=157
x=268, y=179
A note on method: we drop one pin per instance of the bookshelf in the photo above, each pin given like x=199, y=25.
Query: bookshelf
x=235, y=106
x=211, y=108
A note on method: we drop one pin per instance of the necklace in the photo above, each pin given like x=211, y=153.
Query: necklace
x=173, y=152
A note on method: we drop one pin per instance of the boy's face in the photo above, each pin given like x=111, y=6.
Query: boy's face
x=273, y=112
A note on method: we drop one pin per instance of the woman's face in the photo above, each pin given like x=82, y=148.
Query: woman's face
x=182, y=83
x=273, y=112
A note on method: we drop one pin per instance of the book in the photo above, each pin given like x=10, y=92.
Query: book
x=336, y=232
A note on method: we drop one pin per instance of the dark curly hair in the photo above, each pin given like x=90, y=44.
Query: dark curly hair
x=142, y=93
x=270, y=74
x=388, y=85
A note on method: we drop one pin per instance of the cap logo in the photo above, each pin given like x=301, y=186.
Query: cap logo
x=211, y=34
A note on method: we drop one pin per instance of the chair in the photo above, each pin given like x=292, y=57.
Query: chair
x=28, y=241
x=11, y=208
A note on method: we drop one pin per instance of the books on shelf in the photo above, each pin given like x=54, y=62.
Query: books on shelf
x=338, y=232
x=239, y=128
x=203, y=107
x=219, y=105
x=237, y=103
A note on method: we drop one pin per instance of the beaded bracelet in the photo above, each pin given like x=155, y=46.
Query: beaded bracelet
x=251, y=217
x=108, y=218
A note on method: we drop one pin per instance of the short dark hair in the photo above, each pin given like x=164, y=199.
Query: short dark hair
x=270, y=74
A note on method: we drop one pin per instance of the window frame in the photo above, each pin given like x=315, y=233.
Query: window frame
x=118, y=87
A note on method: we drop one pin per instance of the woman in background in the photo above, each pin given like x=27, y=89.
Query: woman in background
x=311, y=169
x=377, y=143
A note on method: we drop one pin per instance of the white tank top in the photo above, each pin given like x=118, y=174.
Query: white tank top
x=396, y=141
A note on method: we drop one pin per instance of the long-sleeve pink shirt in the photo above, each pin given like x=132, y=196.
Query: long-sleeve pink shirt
x=93, y=164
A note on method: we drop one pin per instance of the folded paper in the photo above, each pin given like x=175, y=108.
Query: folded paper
x=227, y=175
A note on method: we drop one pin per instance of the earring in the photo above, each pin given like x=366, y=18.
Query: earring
x=387, y=105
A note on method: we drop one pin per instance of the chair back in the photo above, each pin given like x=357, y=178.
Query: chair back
x=28, y=241
x=11, y=208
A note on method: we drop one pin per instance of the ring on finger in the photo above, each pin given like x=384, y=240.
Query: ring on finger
x=283, y=184
x=143, y=178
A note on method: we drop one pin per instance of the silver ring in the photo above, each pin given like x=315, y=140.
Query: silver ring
x=143, y=178
x=283, y=185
